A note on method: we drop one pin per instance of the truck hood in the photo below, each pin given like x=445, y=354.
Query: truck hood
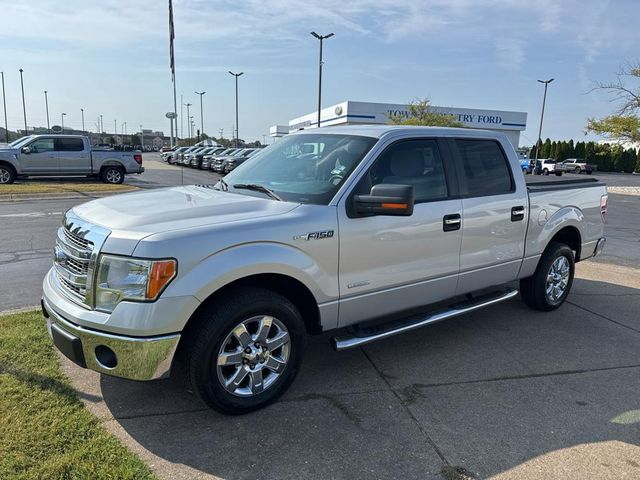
x=154, y=211
x=6, y=151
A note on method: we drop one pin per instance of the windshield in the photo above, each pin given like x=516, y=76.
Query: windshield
x=306, y=168
x=21, y=141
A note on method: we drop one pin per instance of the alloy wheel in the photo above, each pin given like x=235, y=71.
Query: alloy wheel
x=557, y=279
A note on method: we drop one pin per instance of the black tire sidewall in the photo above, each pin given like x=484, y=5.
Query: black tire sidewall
x=244, y=305
x=106, y=171
x=12, y=173
x=554, y=251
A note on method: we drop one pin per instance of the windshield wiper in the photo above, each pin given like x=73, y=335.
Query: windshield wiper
x=257, y=188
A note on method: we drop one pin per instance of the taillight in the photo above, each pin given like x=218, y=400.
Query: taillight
x=604, y=199
x=138, y=158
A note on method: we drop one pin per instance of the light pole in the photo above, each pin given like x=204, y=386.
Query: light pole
x=101, y=125
x=4, y=103
x=544, y=101
x=237, y=129
x=46, y=104
x=62, y=116
x=188, y=123
x=82, y=112
x=24, y=108
x=321, y=38
x=141, y=139
x=115, y=130
x=201, y=120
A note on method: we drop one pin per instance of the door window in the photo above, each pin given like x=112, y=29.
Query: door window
x=485, y=167
x=70, y=145
x=42, y=145
x=414, y=162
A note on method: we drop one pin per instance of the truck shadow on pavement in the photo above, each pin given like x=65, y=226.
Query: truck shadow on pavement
x=505, y=391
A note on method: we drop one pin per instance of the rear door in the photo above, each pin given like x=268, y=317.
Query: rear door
x=42, y=158
x=394, y=263
x=494, y=214
x=72, y=155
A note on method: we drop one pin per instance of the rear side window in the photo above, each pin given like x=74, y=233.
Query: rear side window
x=485, y=167
x=70, y=145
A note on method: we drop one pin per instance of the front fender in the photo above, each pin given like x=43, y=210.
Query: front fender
x=241, y=261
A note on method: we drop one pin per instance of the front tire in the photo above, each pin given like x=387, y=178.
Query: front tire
x=246, y=351
x=545, y=171
x=578, y=170
x=113, y=175
x=7, y=174
x=549, y=286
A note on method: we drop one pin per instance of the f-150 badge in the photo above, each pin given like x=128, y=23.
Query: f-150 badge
x=314, y=235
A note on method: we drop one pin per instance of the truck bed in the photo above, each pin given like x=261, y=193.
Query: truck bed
x=540, y=183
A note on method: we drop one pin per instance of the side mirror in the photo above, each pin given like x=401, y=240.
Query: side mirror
x=386, y=199
x=26, y=150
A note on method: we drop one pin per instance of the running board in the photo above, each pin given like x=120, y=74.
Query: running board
x=364, y=335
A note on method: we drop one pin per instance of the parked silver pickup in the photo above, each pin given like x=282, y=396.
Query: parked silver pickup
x=65, y=155
x=378, y=229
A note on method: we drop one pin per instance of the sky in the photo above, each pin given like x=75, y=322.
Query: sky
x=112, y=58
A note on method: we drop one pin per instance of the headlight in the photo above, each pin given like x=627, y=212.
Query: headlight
x=125, y=278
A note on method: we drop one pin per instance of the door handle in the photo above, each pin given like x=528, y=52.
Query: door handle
x=517, y=214
x=451, y=222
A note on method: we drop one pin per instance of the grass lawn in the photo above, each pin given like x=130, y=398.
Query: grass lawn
x=45, y=431
x=57, y=187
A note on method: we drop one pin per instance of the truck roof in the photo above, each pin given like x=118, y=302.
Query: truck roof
x=379, y=131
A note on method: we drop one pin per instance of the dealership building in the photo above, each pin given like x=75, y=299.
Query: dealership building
x=362, y=113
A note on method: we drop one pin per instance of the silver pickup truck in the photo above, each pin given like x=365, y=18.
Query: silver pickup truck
x=65, y=155
x=378, y=229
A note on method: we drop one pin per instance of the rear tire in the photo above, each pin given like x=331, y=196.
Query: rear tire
x=254, y=371
x=113, y=175
x=578, y=170
x=558, y=174
x=545, y=171
x=549, y=286
x=7, y=174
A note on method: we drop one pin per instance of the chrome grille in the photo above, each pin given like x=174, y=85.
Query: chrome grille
x=75, y=255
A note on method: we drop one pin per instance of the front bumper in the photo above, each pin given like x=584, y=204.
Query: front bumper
x=146, y=358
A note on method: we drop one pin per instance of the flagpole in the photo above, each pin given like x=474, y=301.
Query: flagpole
x=175, y=109
x=174, y=120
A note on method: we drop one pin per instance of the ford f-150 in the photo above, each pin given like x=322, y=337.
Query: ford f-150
x=377, y=230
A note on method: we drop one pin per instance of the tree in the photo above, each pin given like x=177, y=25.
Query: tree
x=135, y=139
x=638, y=162
x=422, y=113
x=579, y=150
x=545, y=151
x=624, y=123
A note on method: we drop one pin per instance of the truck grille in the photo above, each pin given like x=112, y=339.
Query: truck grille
x=75, y=255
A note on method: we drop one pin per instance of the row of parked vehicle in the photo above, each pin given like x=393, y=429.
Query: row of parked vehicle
x=217, y=159
x=546, y=166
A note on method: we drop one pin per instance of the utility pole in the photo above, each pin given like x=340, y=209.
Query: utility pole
x=24, y=108
x=181, y=115
x=4, y=104
x=101, y=125
x=115, y=130
x=201, y=120
x=82, y=112
x=141, y=139
x=321, y=38
x=236, y=75
x=544, y=101
x=188, y=123
x=46, y=104
x=62, y=116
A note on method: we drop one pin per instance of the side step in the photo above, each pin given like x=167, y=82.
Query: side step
x=362, y=335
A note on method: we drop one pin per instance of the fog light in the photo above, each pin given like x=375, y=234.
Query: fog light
x=106, y=357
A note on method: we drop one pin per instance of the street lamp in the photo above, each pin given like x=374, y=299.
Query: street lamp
x=544, y=100
x=82, y=112
x=201, y=120
x=24, y=108
x=46, y=104
x=4, y=103
x=236, y=75
x=101, y=125
x=188, y=123
x=62, y=116
x=321, y=38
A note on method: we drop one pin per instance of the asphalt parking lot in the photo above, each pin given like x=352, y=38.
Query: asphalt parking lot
x=505, y=392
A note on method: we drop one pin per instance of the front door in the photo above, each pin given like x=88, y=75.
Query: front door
x=394, y=263
x=42, y=157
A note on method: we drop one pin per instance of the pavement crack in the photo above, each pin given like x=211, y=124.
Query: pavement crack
x=418, y=386
x=603, y=317
x=396, y=393
x=159, y=414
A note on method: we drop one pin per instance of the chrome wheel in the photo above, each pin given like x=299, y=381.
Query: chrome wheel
x=5, y=175
x=113, y=176
x=253, y=356
x=558, y=279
